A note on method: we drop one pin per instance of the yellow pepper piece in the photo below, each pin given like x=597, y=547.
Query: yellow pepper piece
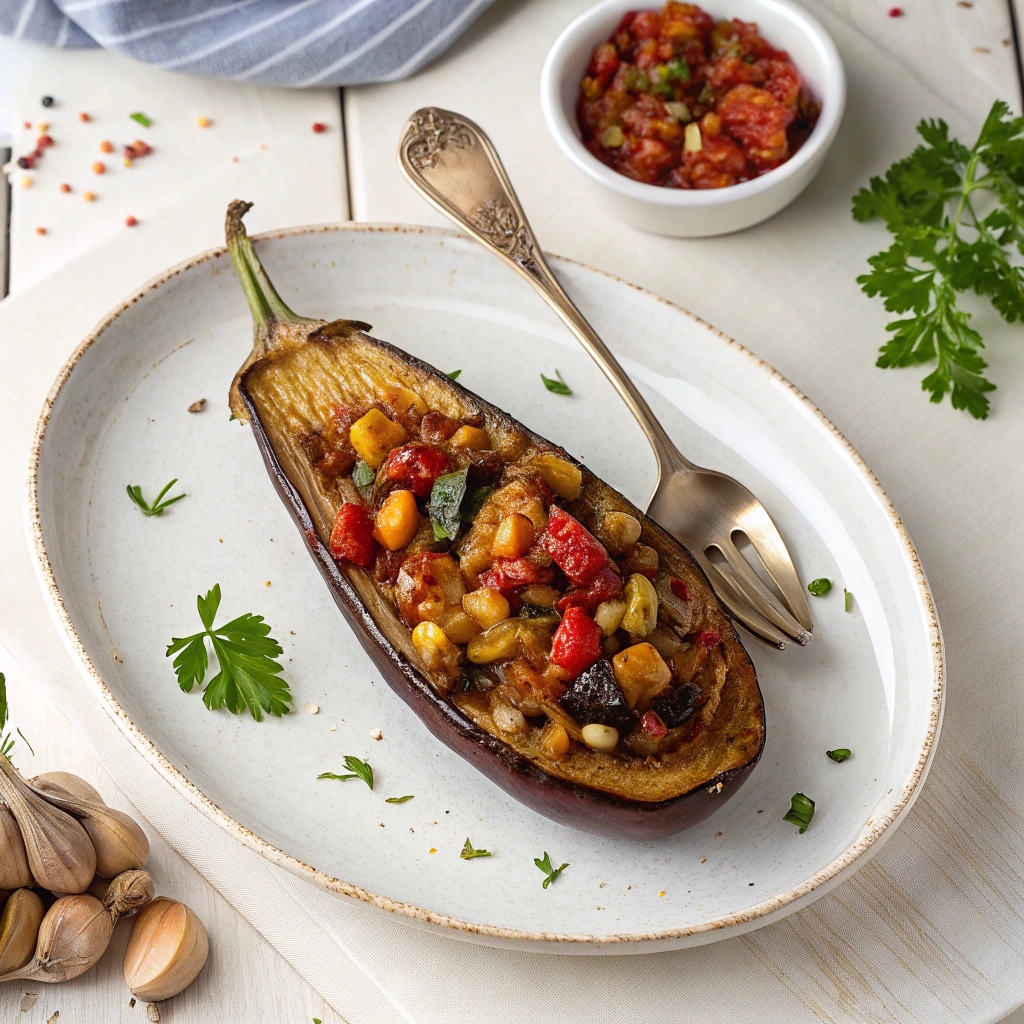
x=374, y=435
x=475, y=438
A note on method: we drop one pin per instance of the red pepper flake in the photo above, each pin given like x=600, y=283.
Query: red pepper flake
x=26, y=124
x=106, y=146
x=895, y=12
x=99, y=167
x=65, y=187
x=708, y=638
x=40, y=231
x=137, y=148
x=44, y=142
x=652, y=724
x=130, y=221
x=680, y=589
x=83, y=116
x=319, y=126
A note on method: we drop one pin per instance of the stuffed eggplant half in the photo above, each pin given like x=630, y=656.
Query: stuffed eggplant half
x=537, y=622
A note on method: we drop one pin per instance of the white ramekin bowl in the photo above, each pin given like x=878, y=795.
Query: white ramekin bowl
x=699, y=212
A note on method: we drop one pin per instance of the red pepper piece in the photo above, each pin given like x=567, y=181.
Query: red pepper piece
x=708, y=637
x=603, y=587
x=576, y=644
x=352, y=535
x=508, y=574
x=680, y=589
x=417, y=465
x=652, y=724
x=576, y=551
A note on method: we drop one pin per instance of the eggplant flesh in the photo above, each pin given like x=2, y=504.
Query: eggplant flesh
x=299, y=373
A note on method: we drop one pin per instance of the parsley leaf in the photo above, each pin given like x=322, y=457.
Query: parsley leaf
x=454, y=374
x=357, y=770
x=956, y=215
x=820, y=587
x=141, y=118
x=445, y=501
x=840, y=754
x=546, y=866
x=158, y=505
x=398, y=799
x=468, y=853
x=800, y=812
x=557, y=387
x=249, y=673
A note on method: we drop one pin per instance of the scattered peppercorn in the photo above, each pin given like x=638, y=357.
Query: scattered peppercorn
x=65, y=187
x=99, y=167
x=47, y=101
x=203, y=122
x=40, y=231
x=25, y=162
x=319, y=126
x=895, y=12
x=130, y=221
x=88, y=196
x=106, y=146
x=83, y=116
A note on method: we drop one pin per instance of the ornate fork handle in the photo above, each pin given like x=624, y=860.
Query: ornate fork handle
x=451, y=161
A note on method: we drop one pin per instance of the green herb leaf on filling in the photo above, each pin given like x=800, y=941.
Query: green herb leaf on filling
x=557, y=387
x=820, y=587
x=249, y=673
x=362, y=475
x=800, y=812
x=445, y=504
x=840, y=754
x=399, y=799
x=468, y=853
x=356, y=770
x=545, y=865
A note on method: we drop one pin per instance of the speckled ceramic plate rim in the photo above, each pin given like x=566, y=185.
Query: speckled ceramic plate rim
x=855, y=855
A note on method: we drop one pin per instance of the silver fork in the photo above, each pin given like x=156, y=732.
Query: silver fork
x=451, y=162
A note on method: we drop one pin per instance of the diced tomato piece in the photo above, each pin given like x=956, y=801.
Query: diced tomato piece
x=352, y=535
x=652, y=724
x=603, y=587
x=509, y=574
x=576, y=551
x=646, y=25
x=417, y=465
x=604, y=63
x=576, y=644
x=708, y=637
x=680, y=589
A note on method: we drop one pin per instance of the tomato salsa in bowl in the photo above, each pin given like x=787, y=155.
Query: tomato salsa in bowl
x=695, y=121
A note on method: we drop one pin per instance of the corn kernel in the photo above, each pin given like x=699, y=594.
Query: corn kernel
x=374, y=435
x=513, y=538
x=203, y=122
x=641, y=673
x=554, y=741
x=565, y=479
x=397, y=521
x=487, y=606
x=474, y=438
x=438, y=653
x=458, y=626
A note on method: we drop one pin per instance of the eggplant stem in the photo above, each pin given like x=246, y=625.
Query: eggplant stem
x=266, y=305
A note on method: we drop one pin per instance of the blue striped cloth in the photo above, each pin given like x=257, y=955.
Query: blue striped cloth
x=281, y=42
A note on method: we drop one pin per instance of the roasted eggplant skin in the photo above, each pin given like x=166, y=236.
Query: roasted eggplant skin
x=567, y=802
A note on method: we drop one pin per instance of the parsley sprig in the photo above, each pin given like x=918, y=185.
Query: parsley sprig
x=249, y=673
x=546, y=866
x=156, y=508
x=956, y=215
x=557, y=387
x=470, y=853
x=356, y=770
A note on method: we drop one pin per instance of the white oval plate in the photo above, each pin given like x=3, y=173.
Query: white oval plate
x=121, y=585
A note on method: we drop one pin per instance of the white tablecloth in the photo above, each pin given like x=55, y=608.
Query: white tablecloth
x=931, y=930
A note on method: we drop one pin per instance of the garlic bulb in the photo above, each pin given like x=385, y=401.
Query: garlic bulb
x=14, y=871
x=67, y=783
x=126, y=893
x=73, y=935
x=119, y=842
x=60, y=853
x=19, y=927
x=167, y=949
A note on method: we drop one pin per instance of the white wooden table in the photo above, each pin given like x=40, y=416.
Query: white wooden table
x=966, y=52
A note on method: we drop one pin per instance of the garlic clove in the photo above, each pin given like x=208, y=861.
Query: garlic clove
x=65, y=782
x=167, y=950
x=19, y=928
x=14, y=870
x=127, y=893
x=73, y=935
x=119, y=841
x=60, y=853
